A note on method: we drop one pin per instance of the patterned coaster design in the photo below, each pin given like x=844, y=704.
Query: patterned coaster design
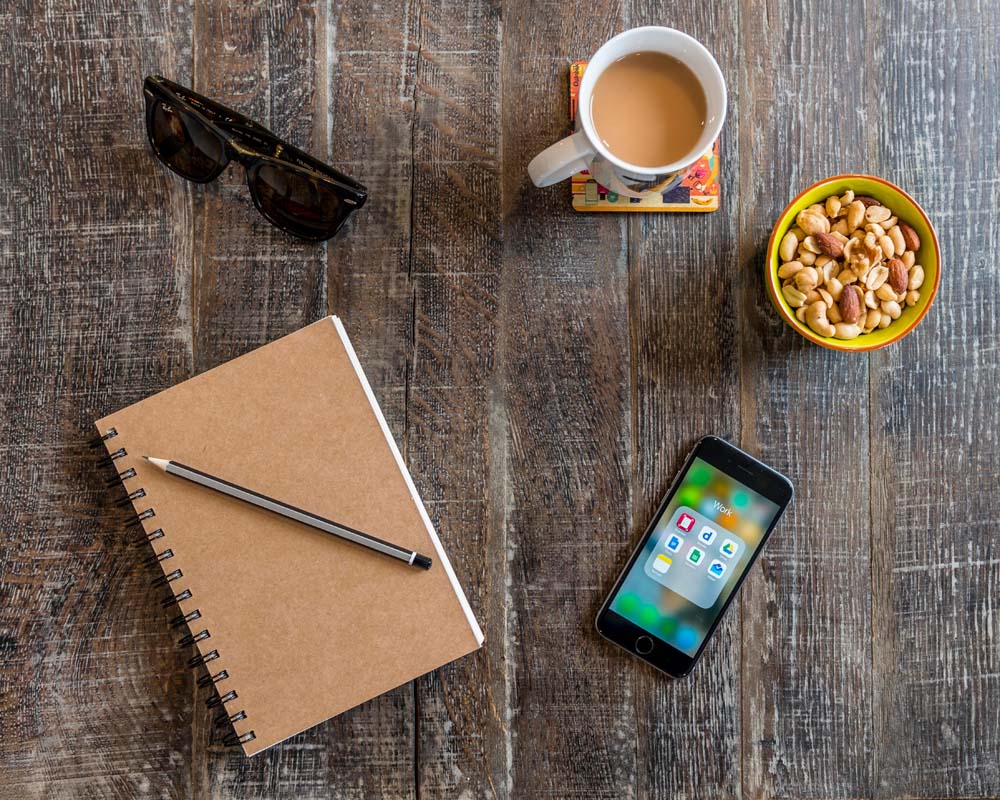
x=698, y=192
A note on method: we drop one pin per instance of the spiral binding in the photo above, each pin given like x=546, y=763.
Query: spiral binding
x=208, y=679
x=184, y=619
x=221, y=699
x=168, y=577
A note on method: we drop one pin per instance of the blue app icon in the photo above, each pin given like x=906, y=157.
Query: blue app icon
x=716, y=569
x=707, y=535
x=674, y=543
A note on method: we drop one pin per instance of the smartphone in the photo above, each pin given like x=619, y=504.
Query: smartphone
x=688, y=566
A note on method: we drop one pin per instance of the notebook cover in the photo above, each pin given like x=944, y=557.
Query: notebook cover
x=306, y=625
x=698, y=192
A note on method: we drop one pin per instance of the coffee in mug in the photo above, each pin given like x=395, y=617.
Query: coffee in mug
x=648, y=109
x=651, y=103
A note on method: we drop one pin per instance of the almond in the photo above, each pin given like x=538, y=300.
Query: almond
x=898, y=277
x=829, y=245
x=850, y=307
x=868, y=201
x=909, y=237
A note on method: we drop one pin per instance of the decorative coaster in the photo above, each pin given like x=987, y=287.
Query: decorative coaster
x=698, y=192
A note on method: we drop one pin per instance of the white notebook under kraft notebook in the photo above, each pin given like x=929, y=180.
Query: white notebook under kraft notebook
x=292, y=625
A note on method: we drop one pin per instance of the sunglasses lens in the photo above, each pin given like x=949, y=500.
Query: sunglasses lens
x=184, y=144
x=297, y=201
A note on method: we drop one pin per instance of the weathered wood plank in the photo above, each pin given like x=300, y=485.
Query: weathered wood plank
x=684, y=317
x=454, y=271
x=806, y=632
x=254, y=283
x=93, y=316
x=371, y=59
x=935, y=418
x=563, y=357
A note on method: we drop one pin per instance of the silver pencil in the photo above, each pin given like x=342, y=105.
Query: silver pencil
x=411, y=557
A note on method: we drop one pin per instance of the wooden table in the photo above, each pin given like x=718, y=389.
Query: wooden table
x=543, y=371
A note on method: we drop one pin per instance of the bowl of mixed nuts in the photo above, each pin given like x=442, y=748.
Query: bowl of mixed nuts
x=853, y=263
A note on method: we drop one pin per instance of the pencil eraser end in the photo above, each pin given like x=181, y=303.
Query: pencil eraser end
x=423, y=562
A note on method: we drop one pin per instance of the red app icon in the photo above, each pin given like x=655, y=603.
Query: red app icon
x=685, y=522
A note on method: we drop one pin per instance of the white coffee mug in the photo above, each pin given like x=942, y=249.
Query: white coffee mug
x=584, y=150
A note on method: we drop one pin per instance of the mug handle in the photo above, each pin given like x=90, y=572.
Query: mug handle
x=562, y=160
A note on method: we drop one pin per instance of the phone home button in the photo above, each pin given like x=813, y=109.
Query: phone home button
x=644, y=645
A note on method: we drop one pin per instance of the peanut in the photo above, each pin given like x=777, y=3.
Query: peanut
x=876, y=277
x=806, y=278
x=898, y=245
x=810, y=244
x=789, y=268
x=891, y=307
x=844, y=331
x=794, y=297
x=871, y=319
x=887, y=246
x=912, y=297
x=788, y=246
x=877, y=214
x=916, y=275
x=855, y=214
x=885, y=292
x=812, y=220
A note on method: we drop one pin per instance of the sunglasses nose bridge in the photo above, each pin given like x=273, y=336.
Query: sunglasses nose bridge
x=242, y=154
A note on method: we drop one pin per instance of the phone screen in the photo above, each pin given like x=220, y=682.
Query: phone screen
x=694, y=557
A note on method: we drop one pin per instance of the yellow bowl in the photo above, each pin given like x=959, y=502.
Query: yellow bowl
x=908, y=211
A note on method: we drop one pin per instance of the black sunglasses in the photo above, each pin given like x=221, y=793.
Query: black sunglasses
x=197, y=137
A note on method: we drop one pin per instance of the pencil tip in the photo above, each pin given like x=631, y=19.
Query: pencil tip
x=424, y=562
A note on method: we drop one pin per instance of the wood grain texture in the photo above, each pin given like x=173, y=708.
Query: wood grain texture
x=681, y=267
x=94, y=297
x=544, y=373
x=253, y=284
x=451, y=393
x=806, y=635
x=564, y=361
x=935, y=419
x=371, y=63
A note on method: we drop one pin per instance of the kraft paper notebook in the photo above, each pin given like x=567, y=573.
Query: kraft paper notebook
x=293, y=626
